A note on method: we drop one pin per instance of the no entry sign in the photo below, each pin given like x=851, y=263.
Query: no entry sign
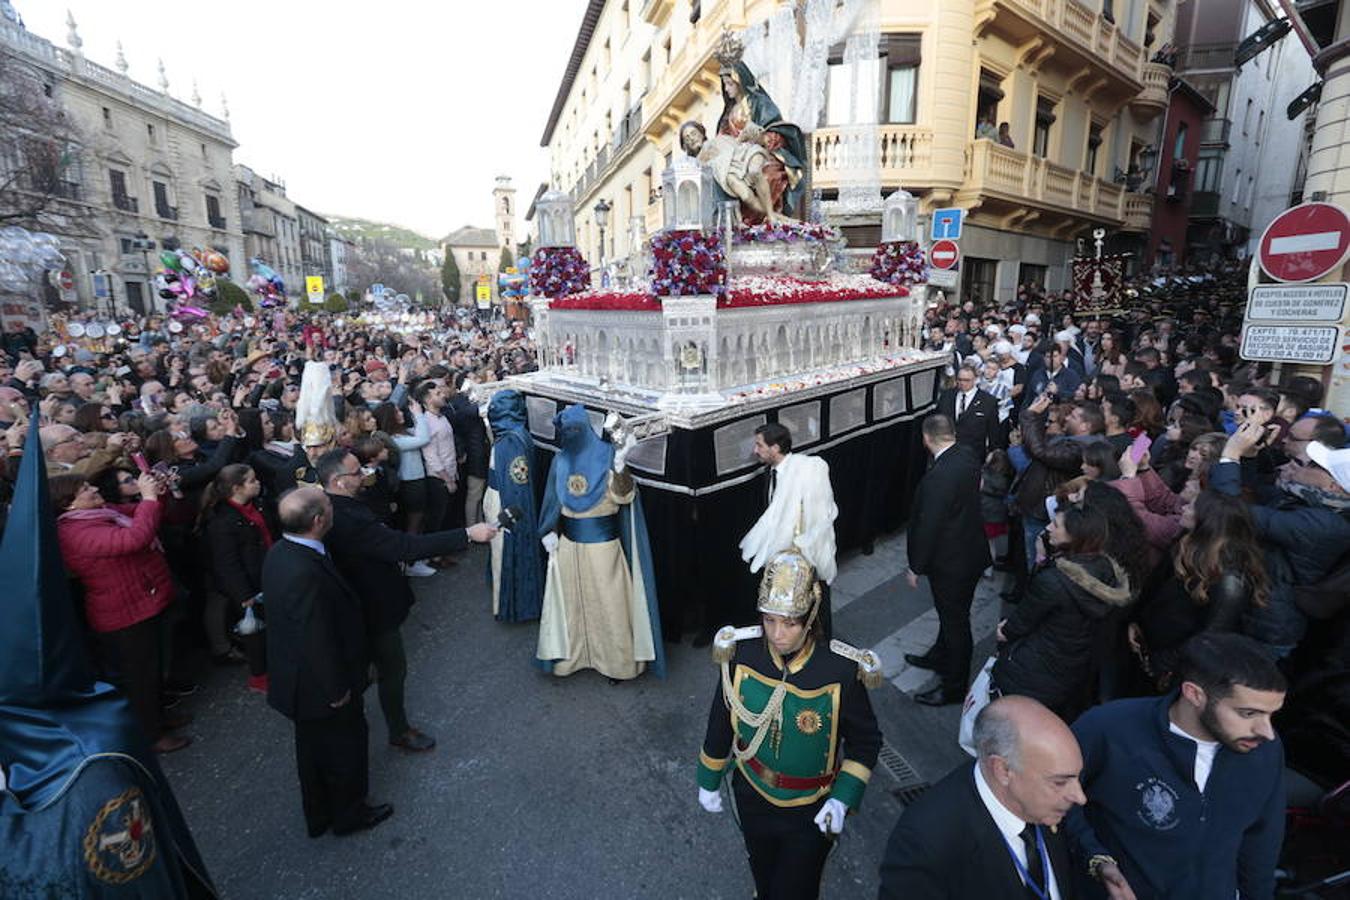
x=944, y=254
x=1305, y=243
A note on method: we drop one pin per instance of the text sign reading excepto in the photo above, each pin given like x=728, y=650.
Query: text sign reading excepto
x=1297, y=302
x=943, y=278
x=1290, y=343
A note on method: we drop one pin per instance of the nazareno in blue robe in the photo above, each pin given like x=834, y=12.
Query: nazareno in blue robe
x=581, y=451
x=520, y=585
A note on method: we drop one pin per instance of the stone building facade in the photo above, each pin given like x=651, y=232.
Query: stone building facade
x=143, y=169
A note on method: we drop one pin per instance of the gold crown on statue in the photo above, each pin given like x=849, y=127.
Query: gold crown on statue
x=789, y=587
x=317, y=434
x=729, y=50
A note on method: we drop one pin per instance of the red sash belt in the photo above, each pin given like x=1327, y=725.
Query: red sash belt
x=786, y=782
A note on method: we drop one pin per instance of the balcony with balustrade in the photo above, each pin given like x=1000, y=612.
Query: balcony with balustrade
x=1152, y=100
x=1072, y=34
x=905, y=153
x=1017, y=188
x=1138, y=212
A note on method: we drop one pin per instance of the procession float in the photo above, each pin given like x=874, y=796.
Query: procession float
x=738, y=313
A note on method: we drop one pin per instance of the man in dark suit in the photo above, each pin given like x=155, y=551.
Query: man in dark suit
x=368, y=553
x=990, y=829
x=946, y=542
x=316, y=652
x=975, y=413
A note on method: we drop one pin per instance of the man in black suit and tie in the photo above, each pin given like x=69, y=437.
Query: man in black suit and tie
x=974, y=411
x=946, y=542
x=317, y=658
x=368, y=554
x=989, y=830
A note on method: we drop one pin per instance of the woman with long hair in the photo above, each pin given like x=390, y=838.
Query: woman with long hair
x=1148, y=413
x=1182, y=430
x=237, y=538
x=412, y=472
x=1215, y=576
x=118, y=560
x=1051, y=645
x=1110, y=358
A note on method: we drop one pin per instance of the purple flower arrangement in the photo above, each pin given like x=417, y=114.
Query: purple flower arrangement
x=558, y=271
x=688, y=263
x=900, y=263
x=800, y=232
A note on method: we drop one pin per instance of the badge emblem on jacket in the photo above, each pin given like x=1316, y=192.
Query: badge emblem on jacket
x=119, y=845
x=1158, y=805
x=520, y=470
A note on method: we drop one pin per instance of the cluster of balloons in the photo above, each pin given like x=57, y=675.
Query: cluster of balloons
x=24, y=256
x=267, y=284
x=188, y=278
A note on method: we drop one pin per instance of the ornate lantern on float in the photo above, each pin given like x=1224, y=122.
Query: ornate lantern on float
x=688, y=195
x=557, y=224
x=900, y=217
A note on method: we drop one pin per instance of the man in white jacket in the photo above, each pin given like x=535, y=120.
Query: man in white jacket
x=800, y=511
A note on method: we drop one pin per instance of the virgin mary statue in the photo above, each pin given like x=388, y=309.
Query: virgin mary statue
x=749, y=114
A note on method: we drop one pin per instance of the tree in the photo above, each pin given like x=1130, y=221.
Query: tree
x=228, y=296
x=39, y=145
x=451, y=278
x=336, y=303
x=507, y=261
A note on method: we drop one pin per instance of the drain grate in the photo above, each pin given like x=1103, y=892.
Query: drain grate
x=909, y=784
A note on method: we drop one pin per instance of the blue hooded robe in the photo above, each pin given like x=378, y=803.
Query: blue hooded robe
x=578, y=480
x=520, y=572
x=86, y=811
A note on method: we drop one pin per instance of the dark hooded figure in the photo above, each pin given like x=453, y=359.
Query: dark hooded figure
x=86, y=811
x=517, y=558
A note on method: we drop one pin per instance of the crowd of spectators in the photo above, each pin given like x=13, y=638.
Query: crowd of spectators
x=1148, y=485
x=168, y=444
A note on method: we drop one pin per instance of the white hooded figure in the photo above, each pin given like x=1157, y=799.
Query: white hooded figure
x=315, y=421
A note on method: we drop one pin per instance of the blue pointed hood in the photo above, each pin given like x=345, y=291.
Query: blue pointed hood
x=583, y=460
x=506, y=411
x=42, y=653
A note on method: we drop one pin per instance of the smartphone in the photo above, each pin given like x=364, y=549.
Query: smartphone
x=139, y=460
x=1140, y=446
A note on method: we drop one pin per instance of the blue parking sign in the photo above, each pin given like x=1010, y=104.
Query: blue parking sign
x=946, y=224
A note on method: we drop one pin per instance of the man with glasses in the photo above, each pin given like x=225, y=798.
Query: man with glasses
x=368, y=553
x=975, y=412
x=67, y=452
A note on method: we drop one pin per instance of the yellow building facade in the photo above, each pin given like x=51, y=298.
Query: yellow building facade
x=1073, y=81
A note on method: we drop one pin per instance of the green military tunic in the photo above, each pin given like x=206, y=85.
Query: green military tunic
x=823, y=745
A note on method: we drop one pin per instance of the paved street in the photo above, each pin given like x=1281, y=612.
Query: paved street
x=542, y=787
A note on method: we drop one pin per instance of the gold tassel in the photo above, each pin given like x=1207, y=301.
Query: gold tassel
x=724, y=645
x=870, y=672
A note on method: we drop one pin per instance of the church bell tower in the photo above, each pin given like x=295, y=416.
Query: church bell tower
x=504, y=201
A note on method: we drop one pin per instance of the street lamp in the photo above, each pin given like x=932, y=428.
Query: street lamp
x=601, y=211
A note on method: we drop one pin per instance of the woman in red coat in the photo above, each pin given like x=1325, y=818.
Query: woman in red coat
x=120, y=564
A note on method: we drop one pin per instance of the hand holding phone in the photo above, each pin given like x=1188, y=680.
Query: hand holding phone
x=1140, y=446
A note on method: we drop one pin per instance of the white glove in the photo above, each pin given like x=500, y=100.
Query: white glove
x=621, y=453
x=836, y=810
x=550, y=542
x=710, y=800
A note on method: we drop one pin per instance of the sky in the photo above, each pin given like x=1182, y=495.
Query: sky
x=401, y=111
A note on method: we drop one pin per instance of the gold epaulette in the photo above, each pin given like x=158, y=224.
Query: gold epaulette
x=724, y=642
x=869, y=664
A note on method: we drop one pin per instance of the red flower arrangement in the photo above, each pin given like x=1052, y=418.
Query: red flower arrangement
x=688, y=263
x=744, y=293
x=782, y=290
x=899, y=262
x=558, y=271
